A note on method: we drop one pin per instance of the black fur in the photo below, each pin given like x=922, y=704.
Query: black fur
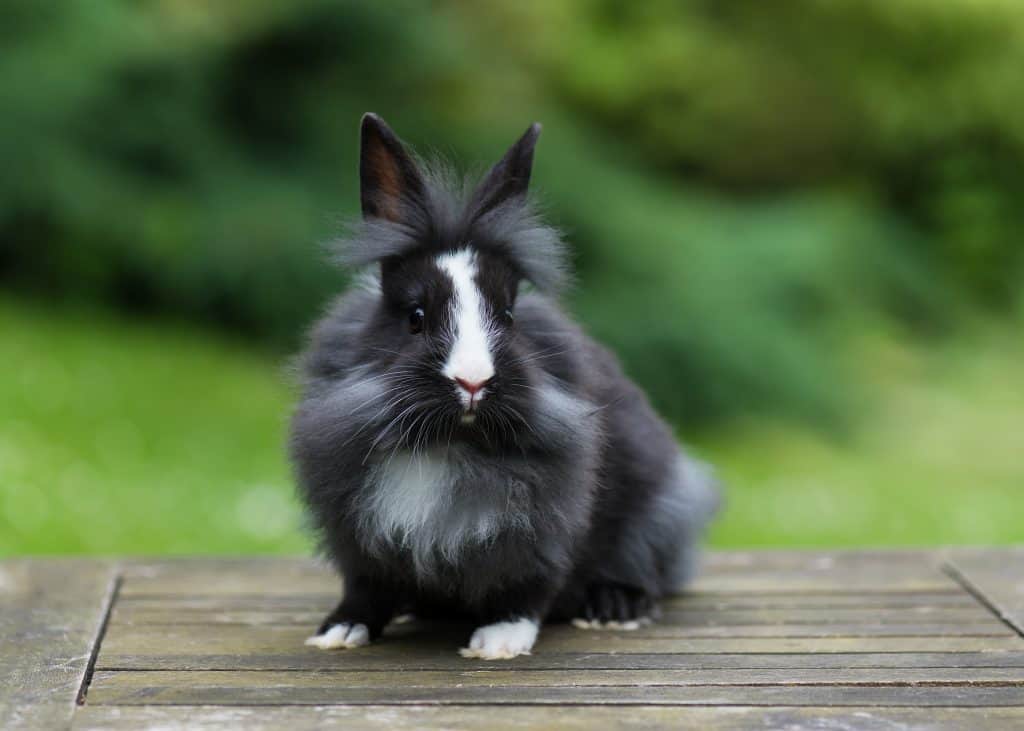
x=567, y=497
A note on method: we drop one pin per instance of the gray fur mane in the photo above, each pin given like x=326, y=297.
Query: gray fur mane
x=449, y=215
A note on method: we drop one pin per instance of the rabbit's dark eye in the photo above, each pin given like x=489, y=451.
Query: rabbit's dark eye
x=508, y=317
x=416, y=321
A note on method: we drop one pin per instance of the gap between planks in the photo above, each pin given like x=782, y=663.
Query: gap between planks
x=101, y=633
x=975, y=591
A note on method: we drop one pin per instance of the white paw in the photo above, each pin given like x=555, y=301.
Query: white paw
x=341, y=635
x=629, y=625
x=502, y=640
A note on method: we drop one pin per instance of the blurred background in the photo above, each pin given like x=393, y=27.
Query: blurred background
x=799, y=224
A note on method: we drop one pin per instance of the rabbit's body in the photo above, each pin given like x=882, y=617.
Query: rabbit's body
x=472, y=465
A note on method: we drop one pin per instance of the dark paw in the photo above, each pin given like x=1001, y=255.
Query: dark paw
x=613, y=606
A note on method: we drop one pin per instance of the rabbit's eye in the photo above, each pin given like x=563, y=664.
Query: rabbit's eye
x=416, y=321
x=508, y=316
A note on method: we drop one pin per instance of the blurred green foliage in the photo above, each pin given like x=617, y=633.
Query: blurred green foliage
x=744, y=183
x=120, y=436
x=911, y=100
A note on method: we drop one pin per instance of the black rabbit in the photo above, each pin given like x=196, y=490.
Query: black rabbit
x=463, y=448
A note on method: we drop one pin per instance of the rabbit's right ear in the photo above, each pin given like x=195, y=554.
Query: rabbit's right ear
x=389, y=180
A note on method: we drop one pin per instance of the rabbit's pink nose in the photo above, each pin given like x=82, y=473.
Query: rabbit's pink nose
x=471, y=387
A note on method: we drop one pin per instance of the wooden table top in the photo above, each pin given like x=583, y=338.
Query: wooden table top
x=829, y=639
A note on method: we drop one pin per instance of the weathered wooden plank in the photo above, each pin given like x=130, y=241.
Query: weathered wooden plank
x=163, y=687
x=788, y=571
x=966, y=615
x=803, y=612
x=868, y=579
x=853, y=630
x=835, y=598
x=985, y=628
x=168, y=640
x=743, y=560
x=517, y=718
x=996, y=576
x=821, y=624
x=50, y=614
x=771, y=572
x=258, y=576
x=954, y=598
x=417, y=658
x=221, y=691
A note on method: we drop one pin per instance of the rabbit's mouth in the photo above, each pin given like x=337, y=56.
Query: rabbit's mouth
x=468, y=417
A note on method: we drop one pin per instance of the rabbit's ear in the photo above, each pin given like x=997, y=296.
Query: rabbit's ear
x=389, y=180
x=511, y=176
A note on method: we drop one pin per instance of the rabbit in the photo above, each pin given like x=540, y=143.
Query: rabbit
x=465, y=451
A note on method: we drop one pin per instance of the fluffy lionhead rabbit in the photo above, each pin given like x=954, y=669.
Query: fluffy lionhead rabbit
x=464, y=449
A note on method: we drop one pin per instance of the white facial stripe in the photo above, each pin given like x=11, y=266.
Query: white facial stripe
x=470, y=357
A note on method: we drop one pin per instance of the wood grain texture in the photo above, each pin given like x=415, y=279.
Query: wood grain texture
x=121, y=688
x=828, y=639
x=125, y=641
x=765, y=573
x=517, y=718
x=51, y=611
x=787, y=572
x=996, y=576
x=954, y=597
x=265, y=576
x=221, y=692
x=417, y=658
x=256, y=614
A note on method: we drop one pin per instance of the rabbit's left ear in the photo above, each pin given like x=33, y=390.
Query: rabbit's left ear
x=511, y=176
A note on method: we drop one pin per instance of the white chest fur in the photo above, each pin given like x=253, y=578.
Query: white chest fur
x=427, y=505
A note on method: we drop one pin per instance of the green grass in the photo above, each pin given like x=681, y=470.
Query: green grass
x=937, y=456
x=131, y=437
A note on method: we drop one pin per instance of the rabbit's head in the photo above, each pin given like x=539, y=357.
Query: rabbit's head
x=452, y=260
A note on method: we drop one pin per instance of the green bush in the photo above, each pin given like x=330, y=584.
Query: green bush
x=914, y=100
x=743, y=184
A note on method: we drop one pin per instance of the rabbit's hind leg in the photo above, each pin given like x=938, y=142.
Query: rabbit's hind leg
x=615, y=606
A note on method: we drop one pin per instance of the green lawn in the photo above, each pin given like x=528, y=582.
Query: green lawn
x=937, y=456
x=120, y=437
x=133, y=437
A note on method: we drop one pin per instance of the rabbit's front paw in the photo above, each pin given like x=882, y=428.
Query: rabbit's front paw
x=340, y=635
x=502, y=640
